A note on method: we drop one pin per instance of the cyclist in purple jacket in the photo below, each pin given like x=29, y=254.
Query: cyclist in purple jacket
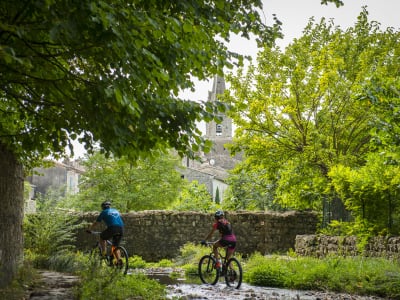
x=115, y=226
x=228, y=238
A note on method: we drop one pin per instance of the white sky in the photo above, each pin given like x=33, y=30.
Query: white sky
x=295, y=14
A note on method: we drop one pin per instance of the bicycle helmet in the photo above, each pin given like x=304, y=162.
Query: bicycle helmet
x=106, y=204
x=219, y=214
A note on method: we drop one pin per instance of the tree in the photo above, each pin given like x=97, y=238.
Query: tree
x=249, y=189
x=106, y=73
x=217, y=197
x=302, y=111
x=371, y=193
x=148, y=183
x=194, y=197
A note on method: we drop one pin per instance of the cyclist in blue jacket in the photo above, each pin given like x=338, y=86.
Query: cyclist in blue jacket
x=115, y=226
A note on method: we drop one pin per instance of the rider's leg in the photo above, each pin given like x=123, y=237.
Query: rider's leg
x=215, y=249
x=117, y=254
x=229, y=253
x=216, y=254
x=103, y=244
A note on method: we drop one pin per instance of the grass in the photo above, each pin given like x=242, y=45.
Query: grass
x=103, y=284
x=353, y=275
x=26, y=278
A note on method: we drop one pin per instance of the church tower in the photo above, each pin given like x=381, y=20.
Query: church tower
x=212, y=168
x=222, y=130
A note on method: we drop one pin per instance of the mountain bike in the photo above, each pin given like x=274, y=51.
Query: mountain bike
x=110, y=259
x=231, y=270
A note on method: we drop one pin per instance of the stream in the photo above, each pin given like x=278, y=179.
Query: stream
x=180, y=288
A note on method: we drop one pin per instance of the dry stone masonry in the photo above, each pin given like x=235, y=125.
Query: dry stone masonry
x=323, y=245
x=154, y=235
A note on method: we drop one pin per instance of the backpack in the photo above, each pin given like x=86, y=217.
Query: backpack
x=224, y=227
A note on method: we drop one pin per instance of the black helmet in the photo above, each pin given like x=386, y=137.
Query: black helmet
x=219, y=214
x=105, y=204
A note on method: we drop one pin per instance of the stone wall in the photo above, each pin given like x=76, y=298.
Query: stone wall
x=160, y=234
x=323, y=245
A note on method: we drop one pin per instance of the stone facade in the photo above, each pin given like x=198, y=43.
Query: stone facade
x=65, y=174
x=323, y=245
x=212, y=168
x=160, y=234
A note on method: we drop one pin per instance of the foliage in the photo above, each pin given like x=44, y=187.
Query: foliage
x=191, y=253
x=107, y=73
x=217, y=197
x=137, y=262
x=148, y=183
x=354, y=275
x=49, y=237
x=371, y=193
x=250, y=189
x=103, y=284
x=309, y=108
x=194, y=197
x=26, y=277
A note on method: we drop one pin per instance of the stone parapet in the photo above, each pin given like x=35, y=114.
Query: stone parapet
x=154, y=235
x=324, y=245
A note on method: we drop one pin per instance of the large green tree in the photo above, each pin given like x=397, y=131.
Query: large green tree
x=106, y=73
x=148, y=183
x=303, y=110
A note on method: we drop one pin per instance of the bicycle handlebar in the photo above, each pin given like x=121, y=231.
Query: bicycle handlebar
x=206, y=243
x=93, y=232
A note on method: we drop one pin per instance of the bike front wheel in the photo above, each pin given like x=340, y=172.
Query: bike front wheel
x=207, y=272
x=233, y=273
x=96, y=260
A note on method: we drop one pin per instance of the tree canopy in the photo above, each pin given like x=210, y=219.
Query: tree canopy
x=149, y=183
x=108, y=72
x=327, y=100
x=105, y=73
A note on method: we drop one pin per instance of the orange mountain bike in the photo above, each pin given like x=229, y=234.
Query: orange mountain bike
x=231, y=269
x=110, y=259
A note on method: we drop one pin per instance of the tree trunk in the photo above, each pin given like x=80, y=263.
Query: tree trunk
x=11, y=215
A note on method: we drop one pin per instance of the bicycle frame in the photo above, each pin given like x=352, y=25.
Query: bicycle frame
x=231, y=269
x=112, y=257
x=222, y=256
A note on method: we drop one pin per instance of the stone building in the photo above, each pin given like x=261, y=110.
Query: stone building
x=64, y=174
x=212, y=169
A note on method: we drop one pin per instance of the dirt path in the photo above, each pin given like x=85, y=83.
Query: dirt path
x=54, y=286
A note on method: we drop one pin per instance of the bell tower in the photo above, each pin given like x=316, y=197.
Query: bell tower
x=214, y=130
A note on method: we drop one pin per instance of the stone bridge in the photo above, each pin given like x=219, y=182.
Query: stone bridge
x=154, y=235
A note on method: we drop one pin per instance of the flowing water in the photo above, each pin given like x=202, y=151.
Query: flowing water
x=179, y=287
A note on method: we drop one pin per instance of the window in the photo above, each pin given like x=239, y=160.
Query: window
x=219, y=129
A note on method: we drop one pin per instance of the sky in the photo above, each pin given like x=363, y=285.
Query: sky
x=295, y=14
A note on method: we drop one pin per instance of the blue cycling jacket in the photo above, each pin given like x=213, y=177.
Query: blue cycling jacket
x=111, y=217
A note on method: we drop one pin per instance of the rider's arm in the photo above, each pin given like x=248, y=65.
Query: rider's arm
x=93, y=225
x=210, y=234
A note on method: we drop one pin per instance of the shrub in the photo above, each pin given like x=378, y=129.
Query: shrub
x=354, y=275
x=101, y=283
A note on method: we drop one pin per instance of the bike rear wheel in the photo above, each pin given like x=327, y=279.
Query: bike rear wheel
x=123, y=264
x=233, y=273
x=207, y=272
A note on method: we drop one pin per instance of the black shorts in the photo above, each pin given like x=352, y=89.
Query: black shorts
x=231, y=245
x=113, y=233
